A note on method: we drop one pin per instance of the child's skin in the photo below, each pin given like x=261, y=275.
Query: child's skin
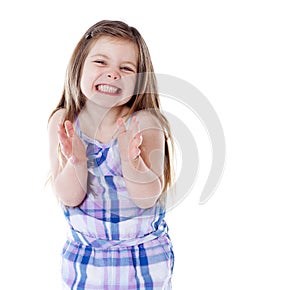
x=108, y=80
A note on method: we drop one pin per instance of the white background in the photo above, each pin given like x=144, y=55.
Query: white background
x=244, y=57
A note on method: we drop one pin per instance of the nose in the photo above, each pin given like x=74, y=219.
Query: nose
x=112, y=74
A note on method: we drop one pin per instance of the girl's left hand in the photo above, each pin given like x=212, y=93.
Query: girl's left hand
x=129, y=140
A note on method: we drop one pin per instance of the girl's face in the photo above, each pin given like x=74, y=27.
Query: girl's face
x=109, y=72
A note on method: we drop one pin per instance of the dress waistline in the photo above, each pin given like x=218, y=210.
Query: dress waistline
x=86, y=240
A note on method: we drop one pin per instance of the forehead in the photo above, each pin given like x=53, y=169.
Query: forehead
x=113, y=47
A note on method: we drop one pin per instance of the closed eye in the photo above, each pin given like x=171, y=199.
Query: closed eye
x=100, y=62
x=126, y=68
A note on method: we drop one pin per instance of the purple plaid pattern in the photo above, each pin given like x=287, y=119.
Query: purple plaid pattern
x=113, y=244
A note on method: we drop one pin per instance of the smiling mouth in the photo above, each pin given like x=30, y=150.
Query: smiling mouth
x=108, y=89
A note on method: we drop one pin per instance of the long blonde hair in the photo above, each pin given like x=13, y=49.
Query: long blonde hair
x=145, y=97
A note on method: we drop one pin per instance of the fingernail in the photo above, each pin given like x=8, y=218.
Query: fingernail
x=72, y=159
x=120, y=121
x=138, y=153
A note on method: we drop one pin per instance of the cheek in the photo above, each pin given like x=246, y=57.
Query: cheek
x=86, y=82
x=130, y=84
x=128, y=89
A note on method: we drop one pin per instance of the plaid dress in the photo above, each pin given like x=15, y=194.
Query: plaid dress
x=113, y=244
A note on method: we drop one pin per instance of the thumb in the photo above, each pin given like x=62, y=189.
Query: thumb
x=69, y=128
x=121, y=125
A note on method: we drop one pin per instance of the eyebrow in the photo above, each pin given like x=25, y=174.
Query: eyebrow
x=99, y=54
x=105, y=56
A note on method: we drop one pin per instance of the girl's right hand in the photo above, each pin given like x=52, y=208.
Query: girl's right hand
x=71, y=146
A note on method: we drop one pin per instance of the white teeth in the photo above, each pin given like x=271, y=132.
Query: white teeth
x=107, y=89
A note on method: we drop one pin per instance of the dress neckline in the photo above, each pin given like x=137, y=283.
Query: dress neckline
x=96, y=141
x=93, y=140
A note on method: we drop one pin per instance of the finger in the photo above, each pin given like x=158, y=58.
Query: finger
x=134, y=126
x=134, y=153
x=134, y=129
x=65, y=145
x=69, y=128
x=62, y=136
x=138, y=139
x=61, y=133
x=121, y=125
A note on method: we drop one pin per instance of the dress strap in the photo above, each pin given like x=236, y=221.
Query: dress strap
x=77, y=125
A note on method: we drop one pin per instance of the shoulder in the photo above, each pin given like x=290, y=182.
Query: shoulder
x=56, y=118
x=151, y=129
x=147, y=120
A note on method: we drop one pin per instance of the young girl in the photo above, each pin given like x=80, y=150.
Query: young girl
x=111, y=165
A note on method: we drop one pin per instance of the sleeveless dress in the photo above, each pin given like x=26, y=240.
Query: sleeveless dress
x=113, y=244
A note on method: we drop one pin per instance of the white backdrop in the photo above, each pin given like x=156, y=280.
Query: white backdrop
x=244, y=57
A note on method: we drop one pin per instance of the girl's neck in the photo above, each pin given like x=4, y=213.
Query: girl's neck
x=102, y=115
x=94, y=118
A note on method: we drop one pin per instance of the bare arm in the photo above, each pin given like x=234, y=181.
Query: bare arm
x=142, y=157
x=68, y=180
